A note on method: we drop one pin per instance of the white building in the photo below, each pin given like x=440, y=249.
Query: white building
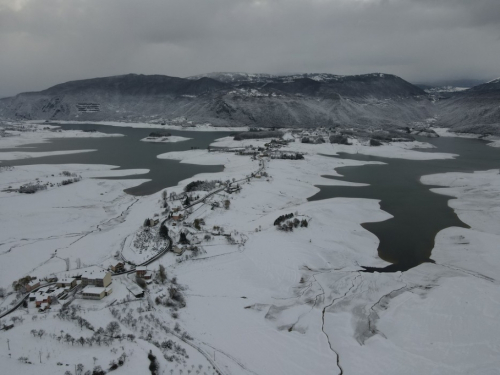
x=96, y=292
x=95, y=276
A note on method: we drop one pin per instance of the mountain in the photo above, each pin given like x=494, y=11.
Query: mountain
x=231, y=99
x=475, y=110
x=467, y=83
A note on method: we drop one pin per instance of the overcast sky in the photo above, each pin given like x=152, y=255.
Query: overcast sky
x=45, y=42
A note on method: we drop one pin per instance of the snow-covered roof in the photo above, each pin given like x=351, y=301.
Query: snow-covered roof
x=141, y=268
x=93, y=272
x=66, y=280
x=94, y=290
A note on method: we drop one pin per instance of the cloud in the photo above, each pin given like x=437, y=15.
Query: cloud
x=43, y=43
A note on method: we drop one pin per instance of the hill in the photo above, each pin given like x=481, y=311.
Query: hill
x=475, y=110
x=231, y=99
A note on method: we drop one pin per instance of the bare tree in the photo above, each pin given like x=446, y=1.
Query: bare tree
x=141, y=282
x=67, y=263
x=79, y=369
x=162, y=274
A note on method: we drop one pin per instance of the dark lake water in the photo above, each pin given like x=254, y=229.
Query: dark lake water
x=127, y=153
x=407, y=239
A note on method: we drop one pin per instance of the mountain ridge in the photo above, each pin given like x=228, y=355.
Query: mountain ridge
x=241, y=99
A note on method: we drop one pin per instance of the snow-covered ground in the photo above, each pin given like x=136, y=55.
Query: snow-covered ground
x=169, y=139
x=269, y=302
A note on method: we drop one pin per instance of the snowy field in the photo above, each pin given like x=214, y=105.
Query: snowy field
x=261, y=301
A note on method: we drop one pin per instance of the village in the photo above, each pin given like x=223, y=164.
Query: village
x=171, y=231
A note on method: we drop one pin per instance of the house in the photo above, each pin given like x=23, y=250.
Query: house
x=142, y=272
x=97, y=293
x=177, y=217
x=96, y=276
x=118, y=267
x=41, y=299
x=60, y=292
x=66, y=282
x=33, y=284
x=136, y=291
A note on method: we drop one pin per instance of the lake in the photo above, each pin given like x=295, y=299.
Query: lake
x=407, y=239
x=127, y=152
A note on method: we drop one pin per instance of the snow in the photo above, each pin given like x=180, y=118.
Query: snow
x=439, y=89
x=496, y=80
x=169, y=139
x=276, y=302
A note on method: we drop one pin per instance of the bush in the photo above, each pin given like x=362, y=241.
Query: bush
x=196, y=224
x=306, y=140
x=31, y=188
x=374, y=142
x=162, y=274
x=141, y=282
x=159, y=134
x=163, y=230
x=282, y=218
x=98, y=371
x=257, y=135
x=153, y=366
x=339, y=139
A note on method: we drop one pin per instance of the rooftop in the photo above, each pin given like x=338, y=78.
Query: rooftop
x=93, y=272
x=66, y=280
x=94, y=290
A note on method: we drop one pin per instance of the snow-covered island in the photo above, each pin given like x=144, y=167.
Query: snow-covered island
x=237, y=272
x=161, y=137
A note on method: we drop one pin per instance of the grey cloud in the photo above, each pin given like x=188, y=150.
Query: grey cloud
x=51, y=41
